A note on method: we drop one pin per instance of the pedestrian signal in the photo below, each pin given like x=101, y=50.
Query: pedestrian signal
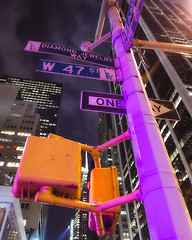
x=55, y=162
x=104, y=187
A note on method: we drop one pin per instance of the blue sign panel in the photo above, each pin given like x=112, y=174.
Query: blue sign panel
x=76, y=70
x=130, y=27
x=49, y=48
x=129, y=15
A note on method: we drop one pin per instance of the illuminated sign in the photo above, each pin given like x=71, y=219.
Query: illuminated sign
x=49, y=48
x=76, y=70
x=102, y=102
x=114, y=103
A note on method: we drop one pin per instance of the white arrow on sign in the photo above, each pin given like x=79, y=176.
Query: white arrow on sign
x=164, y=109
x=158, y=109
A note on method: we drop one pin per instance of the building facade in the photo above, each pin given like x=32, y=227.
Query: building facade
x=46, y=95
x=32, y=109
x=11, y=221
x=166, y=76
x=80, y=224
x=20, y=121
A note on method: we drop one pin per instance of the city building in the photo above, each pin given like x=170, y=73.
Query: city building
x=11, y=220
x=31, y=109
x=80, y=223
x=20, y=120
x=47, y=95
x=166, y=76
x=71, y=229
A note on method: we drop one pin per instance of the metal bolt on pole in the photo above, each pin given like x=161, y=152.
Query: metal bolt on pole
x=166, y=211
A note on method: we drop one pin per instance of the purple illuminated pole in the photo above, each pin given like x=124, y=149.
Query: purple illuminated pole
x=166, y=211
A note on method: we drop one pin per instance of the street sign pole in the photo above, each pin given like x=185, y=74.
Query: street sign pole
x=166, y=211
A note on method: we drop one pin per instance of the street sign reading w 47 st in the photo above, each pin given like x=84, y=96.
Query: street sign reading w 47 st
x=114, y=103
x=76, y=70
x=49, y=48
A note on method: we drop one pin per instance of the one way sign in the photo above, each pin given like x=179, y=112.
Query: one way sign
x=164, y=110
x=113, y=103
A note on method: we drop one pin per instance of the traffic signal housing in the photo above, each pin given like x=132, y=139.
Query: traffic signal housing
x=55, y=162
x=104, y=187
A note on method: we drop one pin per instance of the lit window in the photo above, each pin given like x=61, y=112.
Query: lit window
x=5, y=140
x=24, y=222
x=23, y=134
x=166, y=136
x=1, y=163
x=163, y=128
x=8, y=132
x=12, y=164
x=123, y=212
x=16, y=115
x=20, y=148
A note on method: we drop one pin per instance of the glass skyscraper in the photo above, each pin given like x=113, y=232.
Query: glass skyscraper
x=167, y=76
x=33, y=111
x=47, y=95
x=80, y=227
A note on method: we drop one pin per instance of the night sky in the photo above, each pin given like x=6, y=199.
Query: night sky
x=61, y=22
x=66, y=23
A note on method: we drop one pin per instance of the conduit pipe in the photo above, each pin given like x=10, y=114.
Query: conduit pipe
x=95, y=151
x=87, y=46
x=99, y=224
x=101, y=20
x=46, y=195
x=114, y=141
x=166, y=47
x=135, y=196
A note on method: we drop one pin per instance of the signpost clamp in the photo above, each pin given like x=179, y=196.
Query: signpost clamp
x=118, y=74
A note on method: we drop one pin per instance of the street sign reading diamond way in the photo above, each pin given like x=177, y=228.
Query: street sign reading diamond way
x=106, y=74
x=49, y=48
x=114, y=103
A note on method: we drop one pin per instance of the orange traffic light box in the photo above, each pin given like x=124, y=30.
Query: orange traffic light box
x=53, y=162
x=104, y=187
